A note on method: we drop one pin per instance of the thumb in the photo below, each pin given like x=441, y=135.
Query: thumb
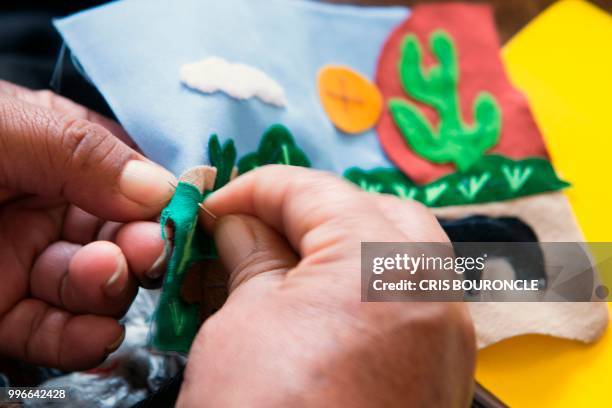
x=54, y=155
x=253, y=253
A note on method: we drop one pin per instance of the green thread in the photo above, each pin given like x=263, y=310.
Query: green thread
x=488, y=180
x=472, y=185
x=453, y=141
x=433, y=192
x=403, y=191
x=516, y=176
x=276, y=147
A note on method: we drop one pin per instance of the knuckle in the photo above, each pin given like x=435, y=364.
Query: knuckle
x=45, y=96
x=258, y=262
x=86, y=143
x=448, y=319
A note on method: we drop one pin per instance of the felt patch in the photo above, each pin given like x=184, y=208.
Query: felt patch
x=480, y=70
x=453, y=141
x=552, y=220
x=195, y=284
x=240, y=81
x=492, y=178
x=481, y=228
x=177, y=321
x=352, y=102
x=223, y=159
x=276, y=147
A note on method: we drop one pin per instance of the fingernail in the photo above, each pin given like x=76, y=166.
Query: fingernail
x=146, y=183
x=116, y=283
x=115, y=345
x=158, y=267
x=235, y=240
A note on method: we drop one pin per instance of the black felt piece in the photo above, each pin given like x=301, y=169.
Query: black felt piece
x=479, y=228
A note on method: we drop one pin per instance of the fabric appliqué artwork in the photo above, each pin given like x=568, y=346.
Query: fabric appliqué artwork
x=240, y=81
x=458, y=102
x=451, y=130
x=480, y=178
x=352, y=102
x=453, y=141
x=492, y=178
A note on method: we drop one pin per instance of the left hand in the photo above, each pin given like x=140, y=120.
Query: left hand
x=67, y=272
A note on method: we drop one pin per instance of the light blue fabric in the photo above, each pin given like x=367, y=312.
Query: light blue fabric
x=132, y=51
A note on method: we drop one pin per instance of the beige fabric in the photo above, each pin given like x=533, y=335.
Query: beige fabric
x=202, y=177
x=552, y=219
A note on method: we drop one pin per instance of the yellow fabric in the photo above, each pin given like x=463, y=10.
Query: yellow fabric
x=563, y=62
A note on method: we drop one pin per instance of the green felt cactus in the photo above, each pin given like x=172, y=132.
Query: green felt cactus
x=453, y=141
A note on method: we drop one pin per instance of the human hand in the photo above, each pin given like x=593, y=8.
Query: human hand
x=294, y=331
x=63, y=175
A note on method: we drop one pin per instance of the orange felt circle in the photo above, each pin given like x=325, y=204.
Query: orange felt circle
x=352, y=102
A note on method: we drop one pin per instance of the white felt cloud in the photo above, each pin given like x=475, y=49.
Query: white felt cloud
x=239, y=81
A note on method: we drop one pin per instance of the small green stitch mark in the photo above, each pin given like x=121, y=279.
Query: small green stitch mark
x=403, y=191
x=177, y=317
x=433, y=192
x=286, y=159
x=516, y=176
x=370, y=187
x=470, y=187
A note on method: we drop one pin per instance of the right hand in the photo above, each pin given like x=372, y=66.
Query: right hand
x=294, y=331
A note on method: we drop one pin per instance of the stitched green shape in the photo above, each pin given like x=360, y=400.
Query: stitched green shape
x=453, y=141
x=492, y=178
x=223, y=158
x=276, y=147
x=176, y=321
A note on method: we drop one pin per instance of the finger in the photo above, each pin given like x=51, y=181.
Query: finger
x=145, y=251
x=41, y=334
x=252, y=252
x=90, y=279
x=109, y=231
x=415, y=220
x=140, y=242
x=58, y=155
x=98, y=281
x=313, y=209
x=49, y=271
x=49, y=100
x=80, y=227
